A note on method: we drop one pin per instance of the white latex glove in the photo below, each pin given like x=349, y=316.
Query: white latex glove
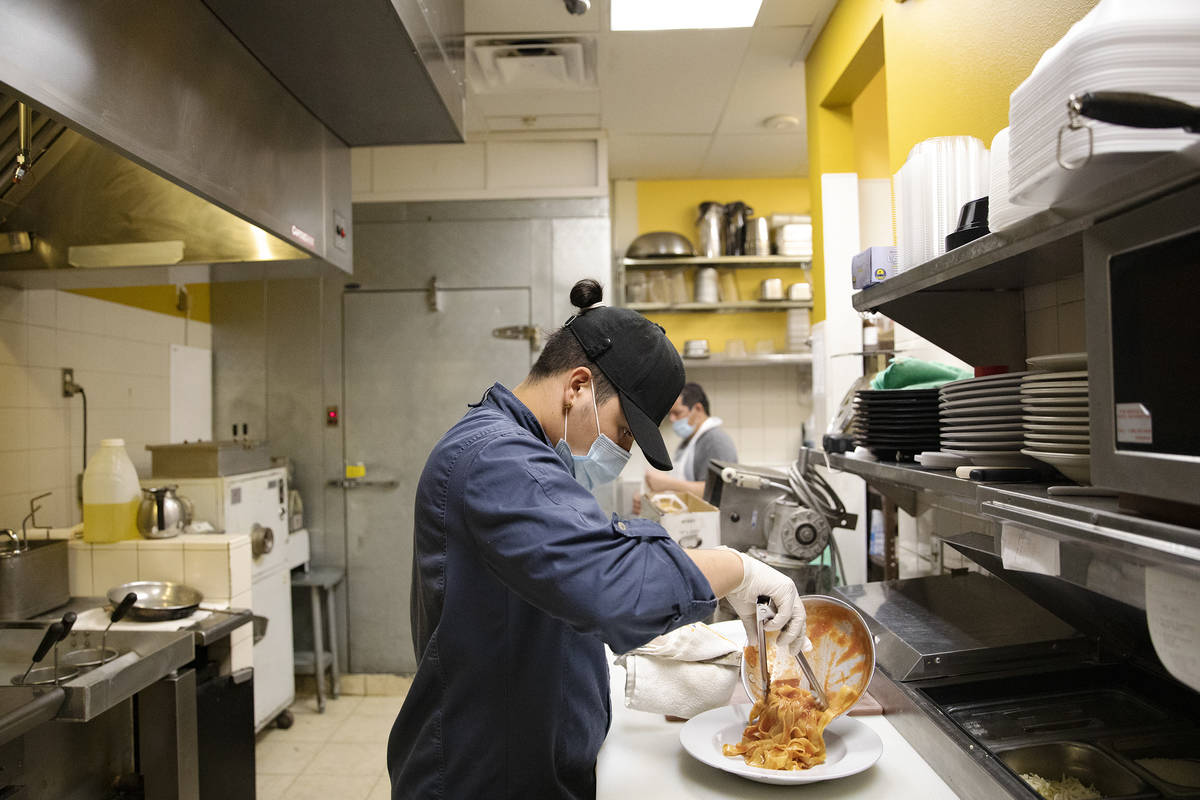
x=759, y=580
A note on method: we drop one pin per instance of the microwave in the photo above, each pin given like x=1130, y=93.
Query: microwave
x=1142, y=307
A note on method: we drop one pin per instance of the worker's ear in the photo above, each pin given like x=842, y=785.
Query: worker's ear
x=576, y=380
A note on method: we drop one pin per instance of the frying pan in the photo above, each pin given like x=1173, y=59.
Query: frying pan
x=157, y=600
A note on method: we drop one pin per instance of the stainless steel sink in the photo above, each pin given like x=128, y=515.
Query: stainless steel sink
x=33, y=579
x=143, y=658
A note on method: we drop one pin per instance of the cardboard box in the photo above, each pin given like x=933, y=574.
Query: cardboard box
x=873, y=265
x=696, y=524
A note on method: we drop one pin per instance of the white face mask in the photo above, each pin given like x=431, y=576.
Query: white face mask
x=604, y=461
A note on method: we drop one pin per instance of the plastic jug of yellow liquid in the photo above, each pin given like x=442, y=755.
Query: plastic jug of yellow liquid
x=111, y=495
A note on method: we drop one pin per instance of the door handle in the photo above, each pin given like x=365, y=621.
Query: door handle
x=361, y=483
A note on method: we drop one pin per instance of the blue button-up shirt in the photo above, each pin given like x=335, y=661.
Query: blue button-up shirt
x=519, y=579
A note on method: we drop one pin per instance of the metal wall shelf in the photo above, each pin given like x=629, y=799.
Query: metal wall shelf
x=741, y=305
x=726, y=262
x=969, y=300
x=1087, y=521
x=755, y=360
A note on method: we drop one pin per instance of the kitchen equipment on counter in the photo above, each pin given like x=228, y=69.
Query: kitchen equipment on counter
x=972, y=224
x=204, y=459
x=695, y=348
x=710, y=229
x=736, y=214
x=660, y=244
x=55, y=633
x=162, y=514
x=771, y=289
x=156, y=601
x=256, y=504
x=34, y=578
x=707, y=289
x=1139, y=278
x=758, y=237
x=95, y=656
x=111, y=495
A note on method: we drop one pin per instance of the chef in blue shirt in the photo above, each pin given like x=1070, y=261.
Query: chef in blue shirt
x=519, y=578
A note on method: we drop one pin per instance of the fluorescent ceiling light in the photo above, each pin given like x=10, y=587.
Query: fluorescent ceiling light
x=664, y=15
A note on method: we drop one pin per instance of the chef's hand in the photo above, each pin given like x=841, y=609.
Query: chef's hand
x=637, y=505
x=760, y=580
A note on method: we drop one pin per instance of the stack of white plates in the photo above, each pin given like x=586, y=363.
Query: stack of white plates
x=980, y=420
x=1121, y=45
x=1055, y=414
x=939, y=177
x=794, y=239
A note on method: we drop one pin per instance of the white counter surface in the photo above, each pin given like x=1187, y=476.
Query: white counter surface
x=642, y=757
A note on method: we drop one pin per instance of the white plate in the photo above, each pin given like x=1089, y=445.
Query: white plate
x=1058, y=430
x=1044, y=390
x=1057, y=437
x=1059, y=362
x=1003, y=376
x=989, y=400
x=995, y=422
x=1059, y=447
x=1055, y=377
x=1076, y=467
x=1081, y=401
x=995, y=426
x=981, y=435
x=941, y=460
x=1000, y=387
x=1072, y=413
x=850, y=747
x=1032, y=421
x=1007, y=411
x=997, y=458
x=951, y=446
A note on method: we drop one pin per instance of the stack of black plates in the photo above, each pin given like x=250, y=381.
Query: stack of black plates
x=896, y=424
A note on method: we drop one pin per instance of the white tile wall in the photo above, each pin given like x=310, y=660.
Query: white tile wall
x=1054, y=317
x=120, y=357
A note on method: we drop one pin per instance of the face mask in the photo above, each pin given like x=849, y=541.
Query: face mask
x=602, y=464
x=683, y=429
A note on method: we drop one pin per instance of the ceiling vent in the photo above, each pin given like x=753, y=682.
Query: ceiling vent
x=530, y=64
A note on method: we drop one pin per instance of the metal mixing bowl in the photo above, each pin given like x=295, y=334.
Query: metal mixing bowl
x=660, y=244
x=843, y=651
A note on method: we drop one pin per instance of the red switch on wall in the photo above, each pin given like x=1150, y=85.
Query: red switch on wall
x=331, y=416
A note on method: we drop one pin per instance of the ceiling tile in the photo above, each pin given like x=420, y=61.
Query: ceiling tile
x=669, y=81
x=785, y=12
x=532, y=16
x=768, y=82
x=649, y=157
x=536, y=103
x=757, y=156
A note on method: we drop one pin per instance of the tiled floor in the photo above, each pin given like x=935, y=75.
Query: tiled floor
x=341, y=753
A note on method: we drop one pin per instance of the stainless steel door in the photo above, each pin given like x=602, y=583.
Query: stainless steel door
x=409, y=374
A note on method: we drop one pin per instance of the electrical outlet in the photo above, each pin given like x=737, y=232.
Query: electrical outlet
x=68, y=382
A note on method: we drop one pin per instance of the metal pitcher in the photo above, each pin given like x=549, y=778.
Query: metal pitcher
x=710, y=230
x=162, y=514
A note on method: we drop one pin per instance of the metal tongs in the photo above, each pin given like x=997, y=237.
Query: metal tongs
x=762, y=613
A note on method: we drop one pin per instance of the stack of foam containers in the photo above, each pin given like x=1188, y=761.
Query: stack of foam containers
x=1121, y=45
x=1002, y=212
x=939, y=177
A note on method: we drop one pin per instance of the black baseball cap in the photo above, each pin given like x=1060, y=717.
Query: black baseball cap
x=641, y=363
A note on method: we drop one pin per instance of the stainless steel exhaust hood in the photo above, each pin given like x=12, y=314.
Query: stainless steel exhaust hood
x=154, y=124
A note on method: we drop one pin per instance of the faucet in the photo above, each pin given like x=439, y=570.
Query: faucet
x=12, y=535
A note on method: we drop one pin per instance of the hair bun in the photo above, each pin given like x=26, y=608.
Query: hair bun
x=586, y=293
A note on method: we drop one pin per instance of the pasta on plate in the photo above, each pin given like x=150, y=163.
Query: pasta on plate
x=786, y=729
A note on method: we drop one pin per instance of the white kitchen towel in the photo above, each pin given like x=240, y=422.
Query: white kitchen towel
x=682, y=673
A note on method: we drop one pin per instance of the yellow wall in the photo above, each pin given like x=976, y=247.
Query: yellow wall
x=949, y=68
x=673, y=206
x=161, y=299
x=868, y=114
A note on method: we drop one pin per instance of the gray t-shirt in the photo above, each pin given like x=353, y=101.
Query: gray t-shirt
x=714, y=443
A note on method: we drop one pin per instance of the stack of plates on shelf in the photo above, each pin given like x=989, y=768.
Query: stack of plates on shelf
x=1121, y=45
x=896, y=424
x=981, y=420
x=1055, y=414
